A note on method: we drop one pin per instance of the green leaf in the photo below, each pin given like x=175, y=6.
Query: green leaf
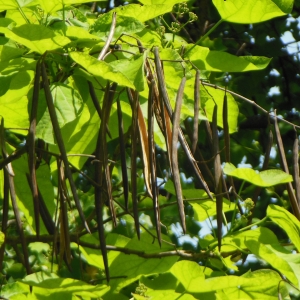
x=125, y=24
x=101, y=69
x=74, y=33
x=133, y=69
x=60, y=288
x=252, y=11
x=134, y=266
x=14, y=102
x=204, y=208
x=17, y=65
x=15, y=4
x=55, y=5
x=262, y=284
x=80, y=135
x=7, y=53
x=168, y=295
x=153, y=2
x=261, y=235
x=14, y=289
x=264, y=179
x=24, y=194
x=207, y=208
x=286, y=221
x=266, y=253
x=218, y=97
x=293, y=259
x=37, y=38
x=189, y=274
x=164, y=281
x=131, y=266
x=144, y=13
x=68, y=105
x=2, y=236
x=217, y=61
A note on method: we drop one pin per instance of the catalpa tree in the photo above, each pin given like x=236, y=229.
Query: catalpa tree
x=135, y=164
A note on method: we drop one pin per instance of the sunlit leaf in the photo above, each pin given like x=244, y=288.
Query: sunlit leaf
x=153, y=2
x=54, y=5
x=286, y=221
x=14, y=102
x=252, y=11
x=211, y=97
x=101, y=69
x=64, y=287
x=7, y=53
x=15, y=4
x=264, y=179
x=134, y=70
x=238, y=240
x=218, y=61
x=125, y=24
x=262, y=284
x=36, y=37
x=189, y=274
x=207, y=208
x=266, y=252
x=68, y=105
x=1, y=238
x=144, y=13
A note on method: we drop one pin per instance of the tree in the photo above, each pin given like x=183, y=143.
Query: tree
x=123, y=133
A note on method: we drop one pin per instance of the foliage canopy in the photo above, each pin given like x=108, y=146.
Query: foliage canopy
x=124, y=137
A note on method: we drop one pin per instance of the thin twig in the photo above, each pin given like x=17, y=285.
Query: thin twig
x=110, y=37
x=248, y=101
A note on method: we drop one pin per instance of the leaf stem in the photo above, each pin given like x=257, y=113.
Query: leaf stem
x=254, y=224
x=204, y=36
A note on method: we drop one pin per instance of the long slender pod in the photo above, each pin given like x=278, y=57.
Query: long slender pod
x=290, y=189
x=99, y=206
x=296, y=166
x=9, y=174
x=122, y=153
x=265, y=164
x=19, y=222
x=64, y=224
x=174, y=153
x=61, y=145
x=143, y=138
x=96, y=104
x=31, y=147
x=100, y=156
x=152, y=161
x=227, y=143
x=45, y=215
x=182, y=140
x=5, y=208
x=226, y=129
x=134, y=138
x=198, y=154
x=107, y=104
x=218, y=176
x=196, y=111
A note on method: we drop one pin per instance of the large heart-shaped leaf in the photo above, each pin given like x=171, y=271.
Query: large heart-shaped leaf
x=37, y=38
x=101, y=69
x=218, y=61
x=286, y=221
x=252, y=11
x=264, y=179
x=270, y=255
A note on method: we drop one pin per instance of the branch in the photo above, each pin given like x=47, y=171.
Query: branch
x=250, y=102
x=74, y=238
